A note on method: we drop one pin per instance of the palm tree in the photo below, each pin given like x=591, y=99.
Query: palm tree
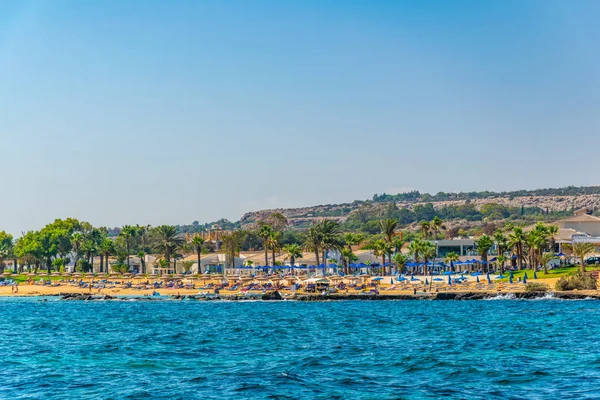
x=501, y=241
x=127, y=233
x=546, y=258
x=346, y=254
x=330, y=235
x=107, y=247
x=77, y=242
x=166, y=240
x=353, y=239
x=197, y=242
x=501, y=260
x=552, y=231
x=451, y=257
x=274, y=244
x=428, y=251
x=483, y=246
x=400, y=260
x=425, y=229
x=292, y=252
x=388, y=228
x=142, y=256
x=437, y=225
x=414, y=248
x=381, y=248
x=187, y=266
x=264, y=232
x=516, y=241
x=581, y=251
x=312, y=241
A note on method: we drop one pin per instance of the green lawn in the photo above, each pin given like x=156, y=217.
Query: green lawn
x=554, y=273
x=23, y=277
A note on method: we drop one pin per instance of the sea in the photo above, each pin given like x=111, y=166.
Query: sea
x=167, y=349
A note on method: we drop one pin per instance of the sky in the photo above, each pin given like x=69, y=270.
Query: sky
x=167, y=112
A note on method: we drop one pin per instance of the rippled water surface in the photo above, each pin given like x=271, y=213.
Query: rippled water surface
x=291, y=350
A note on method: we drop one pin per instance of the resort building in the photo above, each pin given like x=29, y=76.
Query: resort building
x=582, y=227
x=462, y=247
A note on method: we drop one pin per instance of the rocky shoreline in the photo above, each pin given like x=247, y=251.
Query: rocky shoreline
x=275, y=296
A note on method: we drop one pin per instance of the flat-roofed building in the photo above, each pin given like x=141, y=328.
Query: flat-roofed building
x=462, y=247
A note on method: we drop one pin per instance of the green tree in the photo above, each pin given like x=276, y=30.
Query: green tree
x=516, y=242
x=197, y=242
x=581, y=251
x=264, y=232
x=330, y=235
x=292, y=251
x=483, y=245
x=106, y=248
x=166, y=240
x=400, y=260
x=128, y=232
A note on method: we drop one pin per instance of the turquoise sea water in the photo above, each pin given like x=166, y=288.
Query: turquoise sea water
x=293, y=350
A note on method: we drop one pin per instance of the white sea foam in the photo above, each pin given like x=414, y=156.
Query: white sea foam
x=507, y=296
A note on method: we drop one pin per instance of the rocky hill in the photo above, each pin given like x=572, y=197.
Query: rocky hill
x=551, y=200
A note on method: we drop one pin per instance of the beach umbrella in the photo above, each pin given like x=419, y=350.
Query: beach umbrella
x=525, y=278
x=378, y=278
x=510, y=278
x=449, y=280
x=488, y=279
x=534, y=275
x=391, y=281
x=426, y=281
x=477, y=278
x=438, y=279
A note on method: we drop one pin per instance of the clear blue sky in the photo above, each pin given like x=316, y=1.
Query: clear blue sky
x=155, y=112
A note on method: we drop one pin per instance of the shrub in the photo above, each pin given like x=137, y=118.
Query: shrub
x=536, y=287
x=577, y=281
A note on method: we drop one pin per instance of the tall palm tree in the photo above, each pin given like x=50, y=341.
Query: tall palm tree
x=414, y=249
x=292, y=251
x=552, y=231
x=312, y=241
x=516, y=241
x=330, y=234
x=274, y=243
x=388, y=228
x=437, y=225
x=346, y=254
x=107, y=247
x=264, y=232
x=501, y=241
x=127, y=233
x=425, y=229
x=428, y=252
x=166, y=240
x=197, y=242
x=77, y=242
x=142, y=256
x=483, y=246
